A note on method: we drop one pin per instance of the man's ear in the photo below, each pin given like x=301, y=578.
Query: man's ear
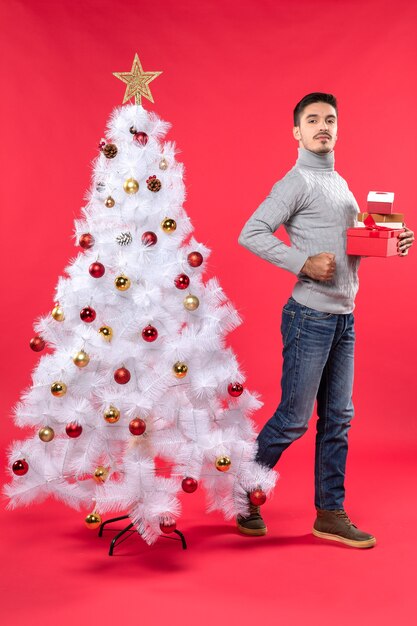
x=296, y=133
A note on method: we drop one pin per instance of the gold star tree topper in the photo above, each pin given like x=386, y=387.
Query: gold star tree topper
x=137, y=82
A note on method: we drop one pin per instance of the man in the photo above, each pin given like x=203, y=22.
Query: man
x=316, y=207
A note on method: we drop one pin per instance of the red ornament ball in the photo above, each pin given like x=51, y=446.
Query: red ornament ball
x=168, y=526
x=73, y=430
x=195, y=259
x=86, y=241
x=137, y=426
x=88, y=314
x=37, y=344
x=149, y=238
x=182, y=281
x=257, y=497
x=122, y=376
x=141, y=138
x=189, y=485
x=20, y=467
x=235, y=389
x=96, y=269
x=149, y=333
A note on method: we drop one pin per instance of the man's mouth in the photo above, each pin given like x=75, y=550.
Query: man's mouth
x=322, y=137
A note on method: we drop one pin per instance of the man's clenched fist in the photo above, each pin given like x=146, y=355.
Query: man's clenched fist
x=320, y=266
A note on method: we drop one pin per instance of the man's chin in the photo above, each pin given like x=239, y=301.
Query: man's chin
x=322, y=149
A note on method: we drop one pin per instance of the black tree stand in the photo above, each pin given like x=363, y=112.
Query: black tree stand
x=120, y=534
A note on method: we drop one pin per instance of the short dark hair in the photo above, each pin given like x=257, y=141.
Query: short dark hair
x=310, y=98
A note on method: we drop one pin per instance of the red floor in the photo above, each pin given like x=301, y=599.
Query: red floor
x=55, y=571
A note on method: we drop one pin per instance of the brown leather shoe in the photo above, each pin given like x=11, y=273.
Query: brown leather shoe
x=336, y=526
x=253, y=524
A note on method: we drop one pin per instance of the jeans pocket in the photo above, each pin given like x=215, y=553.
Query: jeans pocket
x=312, y=314
x=286, y=323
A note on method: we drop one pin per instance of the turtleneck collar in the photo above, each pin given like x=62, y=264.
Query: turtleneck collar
x=315, y=161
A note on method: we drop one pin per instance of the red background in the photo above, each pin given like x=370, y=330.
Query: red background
x=232, y=73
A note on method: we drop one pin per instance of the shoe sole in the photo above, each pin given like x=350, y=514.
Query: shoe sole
x=368, y=543
x=253, y=532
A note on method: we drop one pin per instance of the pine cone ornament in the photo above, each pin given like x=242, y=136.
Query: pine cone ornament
x=110, y=150
x=124, y=239
x=154, y=184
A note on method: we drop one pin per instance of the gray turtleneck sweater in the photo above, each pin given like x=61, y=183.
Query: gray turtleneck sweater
x=316, y=207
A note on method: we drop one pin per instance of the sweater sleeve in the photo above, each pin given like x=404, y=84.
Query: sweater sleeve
x=286, y=197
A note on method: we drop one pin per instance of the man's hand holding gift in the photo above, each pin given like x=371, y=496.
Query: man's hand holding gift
x=405, y=241
x=385, y=233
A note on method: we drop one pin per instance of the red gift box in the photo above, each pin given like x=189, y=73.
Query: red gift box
x=380, y=202
x=372, y=240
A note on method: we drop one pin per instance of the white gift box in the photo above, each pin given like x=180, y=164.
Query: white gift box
x=380, y=202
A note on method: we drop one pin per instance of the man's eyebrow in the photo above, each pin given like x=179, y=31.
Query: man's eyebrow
x=315, y=115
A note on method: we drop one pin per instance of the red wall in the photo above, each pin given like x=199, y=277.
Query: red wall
x=232, y=72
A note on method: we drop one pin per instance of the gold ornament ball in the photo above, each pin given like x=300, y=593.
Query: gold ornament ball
x=100, y=474
x=131, y=186
x=81, y=359
x=191, y=303
x=106, y=332
x=93, y=520
x=163, y=164
x=58, y=389
x=169, y=225
x=46, y=434
x=223, y=463
x=109, y=202
x=122, y=283
x=58, y=313
x=112, y=415
x=180, y=369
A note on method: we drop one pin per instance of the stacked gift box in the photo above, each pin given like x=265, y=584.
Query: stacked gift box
x=377, y=231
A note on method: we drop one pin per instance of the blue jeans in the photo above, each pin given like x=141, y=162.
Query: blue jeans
x=318, y=364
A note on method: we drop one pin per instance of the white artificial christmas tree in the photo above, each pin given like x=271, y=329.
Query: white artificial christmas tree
x=138, y=377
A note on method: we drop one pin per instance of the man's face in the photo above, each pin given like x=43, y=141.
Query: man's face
x=317, y=130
